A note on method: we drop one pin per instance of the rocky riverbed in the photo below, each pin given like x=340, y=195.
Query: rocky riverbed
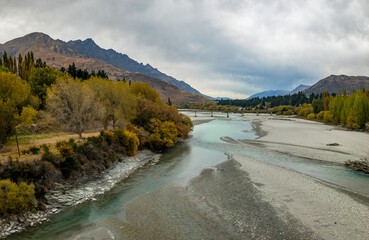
x=65, y=195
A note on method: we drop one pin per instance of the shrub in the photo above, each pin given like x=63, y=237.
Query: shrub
x=15, y=199
x=34, y=150
x=126, y=139
x=68, y=160
x=108, y=136
x=328, y=118
x=47, y=155
x=288, y=112
x=311, y=116
x=320, y=115
x=164, y=135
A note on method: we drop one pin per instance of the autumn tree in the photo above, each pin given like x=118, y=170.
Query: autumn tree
x=118, y=104
x=27, y=66
x=145, y=91
x=14, y=93
x=73, y=103
x=326, y=99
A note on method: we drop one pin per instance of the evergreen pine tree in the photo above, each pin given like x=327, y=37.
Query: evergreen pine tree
x=20, y=62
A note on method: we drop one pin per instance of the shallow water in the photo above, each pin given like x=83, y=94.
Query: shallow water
x=204, y=149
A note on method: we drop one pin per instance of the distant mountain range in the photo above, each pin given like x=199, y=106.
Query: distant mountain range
x=336, y=84
x=331, y=84
x=87, y=55
x=269, y=93
x=299, y=88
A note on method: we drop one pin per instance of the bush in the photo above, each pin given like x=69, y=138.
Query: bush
x=311, y=116
x=32, y=150
x=68, y=160
x=47, y=155
x=164, y=135
x=328, y=118
x=108, y=136
x=126, y=139
x=288, y=112
x=320, y=115
x=16, y=199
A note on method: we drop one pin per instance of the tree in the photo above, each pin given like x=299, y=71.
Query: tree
x=14, y=93
x=169, y=102
x=145, y=91
x=71, y=102
x=20, y=63
x=326, y=100
x=118, y=103
x=318, y=105
x=27, y=66
x=40, y=80
x=335, y=108
x=72, y=70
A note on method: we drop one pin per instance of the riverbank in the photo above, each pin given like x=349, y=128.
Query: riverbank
x=66, y=196
x=329, y=211
x=309, y=139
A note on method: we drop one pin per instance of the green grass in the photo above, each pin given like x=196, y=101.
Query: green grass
x=28, y=138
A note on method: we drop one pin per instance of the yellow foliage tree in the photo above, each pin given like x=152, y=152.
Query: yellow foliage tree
x=73, y=103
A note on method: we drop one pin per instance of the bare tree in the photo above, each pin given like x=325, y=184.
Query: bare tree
x=71, y=102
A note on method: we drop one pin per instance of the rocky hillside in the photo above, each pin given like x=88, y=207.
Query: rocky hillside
x=299, y=88
x=336, y=84
x=89, y=49
x=59, y=54
x=269, y=94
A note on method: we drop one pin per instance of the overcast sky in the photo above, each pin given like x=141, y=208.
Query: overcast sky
x=220, y=47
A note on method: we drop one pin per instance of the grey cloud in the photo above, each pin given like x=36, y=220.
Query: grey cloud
x=219, y=46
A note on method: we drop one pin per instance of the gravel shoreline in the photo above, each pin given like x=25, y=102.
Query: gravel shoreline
x=308, y=139
x=67, y=196
x=322, y=207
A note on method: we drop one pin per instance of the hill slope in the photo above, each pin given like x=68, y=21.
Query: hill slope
x=298, y=89
x=59, y=54
x=336, y=84
x=269, y=93
x=89, y=49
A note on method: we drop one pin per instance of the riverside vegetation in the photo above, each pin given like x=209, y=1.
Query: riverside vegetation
x=35, y=98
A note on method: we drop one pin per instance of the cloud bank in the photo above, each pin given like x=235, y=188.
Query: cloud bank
x=222, y=48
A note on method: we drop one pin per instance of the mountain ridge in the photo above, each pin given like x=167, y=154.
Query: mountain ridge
x=336, y=84
x=269, y=93
x=57, y=54
x=90, y=49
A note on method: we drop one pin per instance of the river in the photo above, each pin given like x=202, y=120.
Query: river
x=204, y=149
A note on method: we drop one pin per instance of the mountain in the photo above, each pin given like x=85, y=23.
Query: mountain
x=336, y=84
x=58, y=53
x=89, y=49
x=269, y=93
x=222, y=98
x=299, y=88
